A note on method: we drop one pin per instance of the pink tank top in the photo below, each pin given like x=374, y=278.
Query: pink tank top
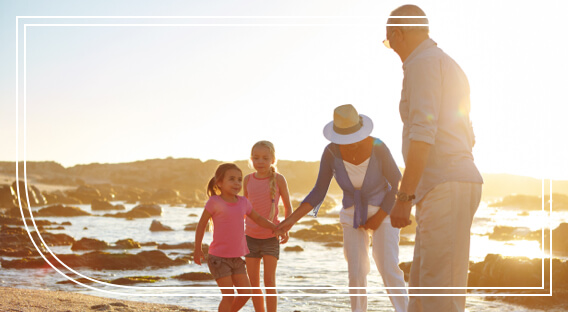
x=259, y=195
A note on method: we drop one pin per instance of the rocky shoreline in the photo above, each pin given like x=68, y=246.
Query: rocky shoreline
x=18, y=252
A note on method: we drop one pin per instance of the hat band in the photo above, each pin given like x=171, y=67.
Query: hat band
x=350, y=130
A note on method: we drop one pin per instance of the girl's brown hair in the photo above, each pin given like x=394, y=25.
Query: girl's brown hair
x=212, y=188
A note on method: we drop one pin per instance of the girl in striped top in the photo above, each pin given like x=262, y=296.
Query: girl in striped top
x=264, y=188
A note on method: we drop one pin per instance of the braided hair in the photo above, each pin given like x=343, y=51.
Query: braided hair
x=272, y=177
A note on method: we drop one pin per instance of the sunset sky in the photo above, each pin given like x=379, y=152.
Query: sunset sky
x=211, y=87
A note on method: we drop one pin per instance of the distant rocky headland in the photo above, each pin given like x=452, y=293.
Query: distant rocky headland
x=188, y=177
x=147, y=180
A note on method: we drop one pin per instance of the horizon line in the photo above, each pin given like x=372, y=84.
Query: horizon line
x=232, y=161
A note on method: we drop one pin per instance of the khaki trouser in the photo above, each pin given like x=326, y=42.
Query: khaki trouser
x=441, y=252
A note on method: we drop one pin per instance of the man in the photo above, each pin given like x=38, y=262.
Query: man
x=440, y=176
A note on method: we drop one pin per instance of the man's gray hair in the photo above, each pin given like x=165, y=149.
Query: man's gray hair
x=406, y=12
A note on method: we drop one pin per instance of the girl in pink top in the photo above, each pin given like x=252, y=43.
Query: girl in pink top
x=228, y=211
x=264, y=188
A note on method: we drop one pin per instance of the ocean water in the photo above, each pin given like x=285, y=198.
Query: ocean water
x=311, y=280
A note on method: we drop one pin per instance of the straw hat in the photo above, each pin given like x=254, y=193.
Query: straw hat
x=347, y=126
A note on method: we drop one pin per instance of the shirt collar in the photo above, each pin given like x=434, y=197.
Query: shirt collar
x=424, y=45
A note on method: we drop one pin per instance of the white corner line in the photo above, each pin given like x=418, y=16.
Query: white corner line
x=191, y=287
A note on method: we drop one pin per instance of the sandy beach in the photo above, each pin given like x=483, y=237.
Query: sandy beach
x=31, y=300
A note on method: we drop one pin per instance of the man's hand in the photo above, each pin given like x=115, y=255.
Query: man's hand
x=400, y=214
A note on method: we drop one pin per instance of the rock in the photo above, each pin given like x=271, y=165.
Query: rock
x=190, y=227
x=499, y=271
x=507, y=233
x=411, y=229
x=327, y=228
x=559, y=239
x=95, y=244
x=405, y=267
x=136, y=280
x=327, y=205
x=106, y=190
x=165, y=195
x=320, y=233
x=149, y=244
x=16, y=212
x=129, y=214
x=15, y=242
x=131, y=195
x=89, y=244
x=40, y=199
x=58, y=197
x=31, y=196
x=127, y=244
x=98, y=204
x=177, y=246
x=98, y=260
x=19, y=252
x=293, y=248
x=52, y=228
x=151, y=209
x=194, y=203
x=8, y=198
x=61, y=211
x=309, y=222
x=53, y=239
x=157, y=226
x=86, y=193
x=530, y=202
x=195, y=276
x=81, y=280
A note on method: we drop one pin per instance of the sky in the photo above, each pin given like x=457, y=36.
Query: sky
x=230, y=73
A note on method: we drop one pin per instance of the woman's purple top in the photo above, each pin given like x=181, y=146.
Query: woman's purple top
x=379, y=185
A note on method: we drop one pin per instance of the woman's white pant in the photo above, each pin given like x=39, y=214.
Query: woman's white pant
x=385, y=253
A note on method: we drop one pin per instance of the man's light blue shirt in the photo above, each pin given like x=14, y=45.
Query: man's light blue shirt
x=434, y=108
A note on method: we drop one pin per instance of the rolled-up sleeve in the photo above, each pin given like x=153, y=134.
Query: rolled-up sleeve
x=393, y=176
x=317, y=195
x=425, y=98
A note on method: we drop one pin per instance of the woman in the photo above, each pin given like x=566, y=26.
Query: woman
x=366, y=172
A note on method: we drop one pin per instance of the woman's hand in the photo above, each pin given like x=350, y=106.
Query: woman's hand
x=283, y=227
x=374, y=221
x=371, y=224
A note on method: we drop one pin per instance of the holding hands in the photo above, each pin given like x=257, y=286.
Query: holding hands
x=284, y=227
x=283, y=237
x=400, y=214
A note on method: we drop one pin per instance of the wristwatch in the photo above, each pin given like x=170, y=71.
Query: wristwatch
x=404, y=197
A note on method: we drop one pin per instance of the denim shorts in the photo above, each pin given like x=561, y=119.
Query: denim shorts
x=259, y=247
x=221, y=267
